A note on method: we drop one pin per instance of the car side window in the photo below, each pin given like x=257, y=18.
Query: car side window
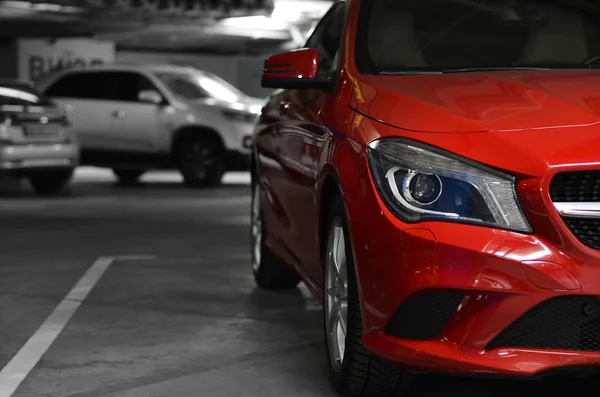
x=130, y=84
x=85, y=85
x=327, y=38
x=69, y=86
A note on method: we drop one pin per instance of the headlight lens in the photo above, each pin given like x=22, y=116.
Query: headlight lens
x=419, y=183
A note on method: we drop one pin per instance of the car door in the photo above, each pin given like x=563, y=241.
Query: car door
x=87, y=95
x=134, y=123
x=300, y=138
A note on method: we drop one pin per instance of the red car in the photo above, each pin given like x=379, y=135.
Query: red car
x=431, y=170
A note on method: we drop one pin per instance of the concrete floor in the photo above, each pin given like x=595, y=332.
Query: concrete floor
x=189, y=322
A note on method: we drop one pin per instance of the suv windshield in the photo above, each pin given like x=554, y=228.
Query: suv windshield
x=199, y=85
x=412, y=36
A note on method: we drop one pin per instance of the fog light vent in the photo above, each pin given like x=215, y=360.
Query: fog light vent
x=424, y=315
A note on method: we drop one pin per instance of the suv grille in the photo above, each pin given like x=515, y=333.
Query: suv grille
x=563, y=323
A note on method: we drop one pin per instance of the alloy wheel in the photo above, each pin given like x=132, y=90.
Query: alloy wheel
x=200, y=160
x=336, y=298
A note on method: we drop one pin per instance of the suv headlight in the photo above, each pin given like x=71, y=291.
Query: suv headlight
x=419, y=183
x=5, y=132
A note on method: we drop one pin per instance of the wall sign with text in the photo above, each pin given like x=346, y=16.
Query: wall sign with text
x=39, y=57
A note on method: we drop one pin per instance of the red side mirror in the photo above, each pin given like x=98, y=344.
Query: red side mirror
x=298, y=69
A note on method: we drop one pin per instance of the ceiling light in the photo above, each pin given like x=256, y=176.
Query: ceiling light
x=39, y=7
x=24, y=5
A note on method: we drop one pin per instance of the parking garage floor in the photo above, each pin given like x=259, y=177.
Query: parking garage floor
x=171, y=308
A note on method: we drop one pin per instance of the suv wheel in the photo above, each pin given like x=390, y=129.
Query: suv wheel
x=201, y=162
x=270, y=272
x=354, y=371
x=50, y=182
x=128, y=177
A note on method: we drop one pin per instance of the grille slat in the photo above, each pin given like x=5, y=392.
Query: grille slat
x=581, y=186
x=562, y=323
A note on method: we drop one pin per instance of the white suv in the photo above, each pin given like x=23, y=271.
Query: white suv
x=133, y=118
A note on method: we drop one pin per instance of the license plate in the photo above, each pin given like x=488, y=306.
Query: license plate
x=46, y=163
x=41, y=130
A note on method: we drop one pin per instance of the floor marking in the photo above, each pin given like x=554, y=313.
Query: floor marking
x=17, y=369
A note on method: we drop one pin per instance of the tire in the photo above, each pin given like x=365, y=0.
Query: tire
x=128, y=177
x=353, y=370
x=270, y=272
x=50, y=182
x=201, y=162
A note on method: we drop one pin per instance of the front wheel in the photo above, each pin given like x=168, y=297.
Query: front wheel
x=201, y=162
x=353, y=370
x=269, y=271
x=50, y=182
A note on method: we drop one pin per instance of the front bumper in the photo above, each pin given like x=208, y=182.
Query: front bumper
x=499, y=275
x=22, y=158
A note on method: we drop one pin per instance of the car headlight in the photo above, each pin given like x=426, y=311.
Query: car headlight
x=5, y=130
x=419, y=183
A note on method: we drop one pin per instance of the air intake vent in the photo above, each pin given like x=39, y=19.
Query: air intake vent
x=563, y=323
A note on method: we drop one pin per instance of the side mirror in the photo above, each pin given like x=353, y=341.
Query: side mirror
x=298, y=69
x=150, y=96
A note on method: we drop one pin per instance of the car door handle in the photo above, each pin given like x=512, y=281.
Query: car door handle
x=119, y=114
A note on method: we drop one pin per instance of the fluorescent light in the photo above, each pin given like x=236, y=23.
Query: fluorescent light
x=24, y=5
x=39, y=7
x=47, y=7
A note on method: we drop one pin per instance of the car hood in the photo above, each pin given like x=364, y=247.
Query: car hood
x=481, y=101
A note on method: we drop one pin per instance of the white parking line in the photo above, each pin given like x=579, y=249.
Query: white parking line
x=17, y=369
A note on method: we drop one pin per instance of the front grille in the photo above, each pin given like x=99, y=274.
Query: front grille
x=563, y=323
x=587, y=230
x=579, y=186
x=424, y=315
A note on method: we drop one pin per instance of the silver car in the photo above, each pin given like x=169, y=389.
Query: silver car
x=36, y=140
x=133, y=118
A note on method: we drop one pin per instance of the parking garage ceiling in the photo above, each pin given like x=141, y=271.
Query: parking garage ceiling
x=224, y=26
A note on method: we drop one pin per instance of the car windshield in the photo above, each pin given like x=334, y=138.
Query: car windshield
x=199, y=85
x=19, y=94
x=438, y=36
